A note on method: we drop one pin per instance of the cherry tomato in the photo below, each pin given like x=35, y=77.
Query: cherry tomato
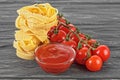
x=94, y=63
x=82, y=36
x=102, y=51
x=82, y=55
x=65, y=29
x=70, y=43
x=59, y=37
x=74, y=37
x=51, y=31
x=62, y=19
x=72, y=27
x=91, y=42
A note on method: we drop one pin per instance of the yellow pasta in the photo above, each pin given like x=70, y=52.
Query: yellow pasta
x=24, y=55
x=26, y=42
x=34, y=22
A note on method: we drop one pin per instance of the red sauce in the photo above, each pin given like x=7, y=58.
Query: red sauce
x=55, y=58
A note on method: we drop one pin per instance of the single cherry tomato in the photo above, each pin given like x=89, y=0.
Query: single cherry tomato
x=65, y=29
x=102, y=51
x=72, y=27
x=82, y=55
x=91, y=42
x=51, y=31
x=94, y=63
x=70, y=43
x=62, y=19
x=58, y=37
x=74, y=37
x=82, y=36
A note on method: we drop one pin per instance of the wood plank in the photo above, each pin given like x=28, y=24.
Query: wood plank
x=83, y=14
x=99, y=18
x=93, y=1
x=14, y=67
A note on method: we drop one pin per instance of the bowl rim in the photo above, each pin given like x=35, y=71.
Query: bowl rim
x=70, y=59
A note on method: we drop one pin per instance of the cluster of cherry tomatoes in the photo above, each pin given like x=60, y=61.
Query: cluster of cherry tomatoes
x=89, y=52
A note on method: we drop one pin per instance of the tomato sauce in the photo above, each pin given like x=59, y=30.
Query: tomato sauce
x=54, y=57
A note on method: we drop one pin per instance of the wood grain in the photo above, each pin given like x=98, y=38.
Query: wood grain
x=99, y=18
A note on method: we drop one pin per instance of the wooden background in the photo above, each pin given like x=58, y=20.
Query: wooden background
x=99, y=18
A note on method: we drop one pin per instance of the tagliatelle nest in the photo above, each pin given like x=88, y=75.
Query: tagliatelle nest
x=34, y=22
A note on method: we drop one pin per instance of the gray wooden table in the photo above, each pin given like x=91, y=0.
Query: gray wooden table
x=99, y=18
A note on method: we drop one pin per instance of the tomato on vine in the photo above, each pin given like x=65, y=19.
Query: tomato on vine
x=65, y=29
x=82, y=55
x=88, y=51
x=70, y=43
x=58, y=36
x=82, y=36
x=102, y=51
x=51, y=31
x=72, y=27
x=91, y=42
x=74, y=37
x=62, y=20
x=94, y=63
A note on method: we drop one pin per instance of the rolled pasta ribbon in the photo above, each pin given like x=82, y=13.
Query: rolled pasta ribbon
x=34, y=22
x=39, y=16
x=23, y=54
x=25, y=44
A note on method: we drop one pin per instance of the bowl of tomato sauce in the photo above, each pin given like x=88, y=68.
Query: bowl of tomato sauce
x=54, y=57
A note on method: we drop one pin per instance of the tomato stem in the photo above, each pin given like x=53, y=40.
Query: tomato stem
x=55, y=31
x=64, y=25
x=67, y=22
x=68, y=37
x=89, y=53
x=77, y=30
x=88, y=36
x=60, y=15
x=83, y=41
x=95, y=45
x=57, y=28
x=80, y=39
x=79, y=45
